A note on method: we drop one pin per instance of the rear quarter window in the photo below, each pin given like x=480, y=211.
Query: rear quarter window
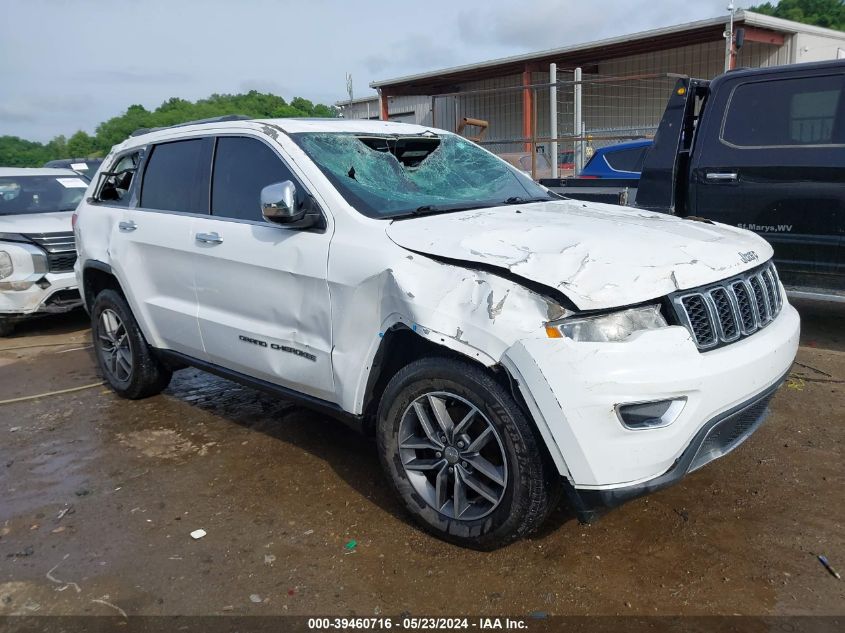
x=792, y=112
x=116, y=184
x=626, y=159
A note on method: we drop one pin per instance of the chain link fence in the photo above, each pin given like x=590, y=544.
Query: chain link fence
x=590, y=111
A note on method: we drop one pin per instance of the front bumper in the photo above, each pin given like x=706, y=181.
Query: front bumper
x=61, y=295
x=716, y=438
x=572, y=390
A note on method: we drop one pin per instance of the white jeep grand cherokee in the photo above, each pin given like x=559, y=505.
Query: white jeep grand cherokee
x=502, y=343
x=37, y=253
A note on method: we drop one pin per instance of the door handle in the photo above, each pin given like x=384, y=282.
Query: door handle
x=209, y=238
x=723, y=176
x=127, y=226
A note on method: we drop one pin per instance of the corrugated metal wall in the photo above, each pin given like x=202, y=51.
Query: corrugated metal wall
x=704, y=61
x=360, y=109
x=626, y=107
x=407, y=109
x=491, y=100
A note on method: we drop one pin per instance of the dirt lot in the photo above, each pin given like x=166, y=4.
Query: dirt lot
x=98, y=497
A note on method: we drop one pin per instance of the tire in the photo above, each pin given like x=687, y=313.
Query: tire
x=125, y=359
x=7, y=326
x=518, y=492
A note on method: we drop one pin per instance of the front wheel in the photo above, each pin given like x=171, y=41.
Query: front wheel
x=462, y=455
x=125, y=358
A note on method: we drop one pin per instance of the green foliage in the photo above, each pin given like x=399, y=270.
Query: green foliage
x=827, y=13
x=18, y=152
x=81, y=145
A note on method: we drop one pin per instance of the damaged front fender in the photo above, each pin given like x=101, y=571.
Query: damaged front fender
x=475, y=313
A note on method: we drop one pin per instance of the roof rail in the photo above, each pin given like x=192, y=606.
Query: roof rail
x=214, y=119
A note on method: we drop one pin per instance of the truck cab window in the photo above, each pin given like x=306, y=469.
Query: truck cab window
x=784, y=112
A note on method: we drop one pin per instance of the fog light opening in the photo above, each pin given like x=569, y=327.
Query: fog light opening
x=656, y=414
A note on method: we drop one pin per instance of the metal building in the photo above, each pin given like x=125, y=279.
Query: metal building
x=405, y=109
x=618, y=91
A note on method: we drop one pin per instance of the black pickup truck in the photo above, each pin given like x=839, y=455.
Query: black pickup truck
x=761, y=149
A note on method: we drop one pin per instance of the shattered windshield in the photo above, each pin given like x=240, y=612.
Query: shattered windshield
x=398, y=176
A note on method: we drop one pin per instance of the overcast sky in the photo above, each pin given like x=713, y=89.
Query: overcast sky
x=68, y=65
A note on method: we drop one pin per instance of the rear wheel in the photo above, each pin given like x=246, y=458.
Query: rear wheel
x=462, y=455
x=125, y=358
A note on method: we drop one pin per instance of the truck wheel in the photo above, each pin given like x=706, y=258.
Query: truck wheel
x=462, y=456
x=125, y=359
x=7, y=326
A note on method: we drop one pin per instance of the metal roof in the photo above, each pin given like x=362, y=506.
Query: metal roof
x=346, y=102
x=664, y=38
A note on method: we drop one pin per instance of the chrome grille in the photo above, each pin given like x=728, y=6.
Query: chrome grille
x=54, y=242
x=746, y=312
x=728, y=323
x=729, y=310
x=698, y=318
x=60, y=248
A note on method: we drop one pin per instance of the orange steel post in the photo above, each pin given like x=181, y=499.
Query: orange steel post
x=382, y=99
x=527, y=108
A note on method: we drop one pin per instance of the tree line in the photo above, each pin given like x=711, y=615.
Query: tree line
x=827, y=13
x=18, y=152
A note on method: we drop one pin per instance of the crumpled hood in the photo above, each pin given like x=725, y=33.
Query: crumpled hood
x=598, y=255
x=36, y=222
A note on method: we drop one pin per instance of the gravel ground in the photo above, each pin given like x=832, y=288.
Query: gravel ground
x=98, y=497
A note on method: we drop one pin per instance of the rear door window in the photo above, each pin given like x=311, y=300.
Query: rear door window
x=626, y=159
x=785, y=112
x=243, y=166
x=172, y=178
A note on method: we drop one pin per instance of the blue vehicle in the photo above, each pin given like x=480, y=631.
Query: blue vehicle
x=623, y=160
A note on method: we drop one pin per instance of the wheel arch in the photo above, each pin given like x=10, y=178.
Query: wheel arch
x=401, y=345
x=96, y=277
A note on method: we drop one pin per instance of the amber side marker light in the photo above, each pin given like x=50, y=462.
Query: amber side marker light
x=553, y=332
x=682, y=90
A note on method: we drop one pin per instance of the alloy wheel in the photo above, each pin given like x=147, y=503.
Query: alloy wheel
x=453, y=456
x=114, y=346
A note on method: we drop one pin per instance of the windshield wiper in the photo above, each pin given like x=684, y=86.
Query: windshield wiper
x=520, y=200
x=433, y=209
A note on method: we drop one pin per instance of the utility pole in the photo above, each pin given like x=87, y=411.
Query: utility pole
x=730, y=55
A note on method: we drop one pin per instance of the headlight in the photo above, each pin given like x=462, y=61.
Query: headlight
x=6, y=266
x=615, y=326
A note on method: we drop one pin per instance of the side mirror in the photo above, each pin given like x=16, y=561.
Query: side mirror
x=278, y=203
